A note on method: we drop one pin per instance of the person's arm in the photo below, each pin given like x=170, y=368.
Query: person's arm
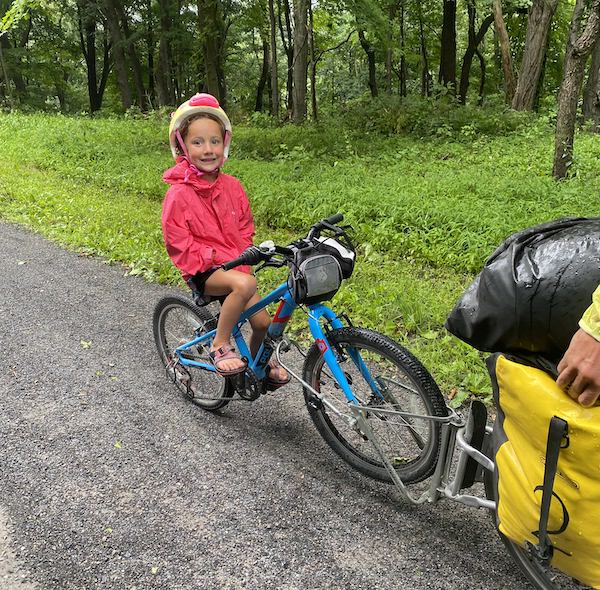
x=579, y=369
x=246, y=221
x=188, y=255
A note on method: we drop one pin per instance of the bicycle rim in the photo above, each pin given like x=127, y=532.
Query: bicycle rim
x=410, y=444
x=177, y=321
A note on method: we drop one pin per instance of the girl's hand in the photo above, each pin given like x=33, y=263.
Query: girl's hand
x=579, y=369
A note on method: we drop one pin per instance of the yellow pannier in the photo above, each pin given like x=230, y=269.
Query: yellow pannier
x=528, y=402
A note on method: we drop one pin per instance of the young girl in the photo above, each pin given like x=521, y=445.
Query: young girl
x=207, y=221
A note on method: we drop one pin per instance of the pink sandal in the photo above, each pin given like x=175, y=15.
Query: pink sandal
x=225, y=353
x=272, y=383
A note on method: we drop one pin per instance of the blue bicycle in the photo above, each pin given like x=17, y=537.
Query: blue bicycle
x=360, y=387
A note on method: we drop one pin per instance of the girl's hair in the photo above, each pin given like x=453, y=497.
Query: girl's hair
x=185, y=126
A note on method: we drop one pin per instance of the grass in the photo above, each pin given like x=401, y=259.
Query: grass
x=427, y=211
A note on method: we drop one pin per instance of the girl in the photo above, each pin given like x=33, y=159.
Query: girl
x=207, y=221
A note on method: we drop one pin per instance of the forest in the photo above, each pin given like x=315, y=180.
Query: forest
x=438, y=128
x=293, y=60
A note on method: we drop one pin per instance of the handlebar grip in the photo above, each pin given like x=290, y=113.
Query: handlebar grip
x=249, y=256
x=334, y=219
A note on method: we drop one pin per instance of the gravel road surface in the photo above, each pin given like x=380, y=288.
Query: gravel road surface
x=110, y=479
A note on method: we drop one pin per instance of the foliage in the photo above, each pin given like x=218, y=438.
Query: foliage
x=426, y=210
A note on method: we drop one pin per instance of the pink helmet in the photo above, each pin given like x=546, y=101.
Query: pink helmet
x=199, y=103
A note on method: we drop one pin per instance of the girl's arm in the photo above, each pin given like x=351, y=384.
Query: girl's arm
x=188, y=254
x=246, y=220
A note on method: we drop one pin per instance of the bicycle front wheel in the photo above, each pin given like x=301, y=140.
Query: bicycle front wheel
x=394, y=380
x=178, y=320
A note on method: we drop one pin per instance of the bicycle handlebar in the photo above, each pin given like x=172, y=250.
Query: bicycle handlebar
x=253, y=255
x=250, y=256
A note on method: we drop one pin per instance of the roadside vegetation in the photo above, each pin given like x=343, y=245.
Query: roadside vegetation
x=430, y=191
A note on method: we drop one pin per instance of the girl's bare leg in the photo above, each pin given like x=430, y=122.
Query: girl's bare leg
x=239, y=289
x=260, y=323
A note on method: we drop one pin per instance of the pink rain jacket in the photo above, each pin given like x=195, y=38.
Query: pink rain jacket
x=204, y=224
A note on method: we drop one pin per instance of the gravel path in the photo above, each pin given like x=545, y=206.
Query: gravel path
x=111, y=480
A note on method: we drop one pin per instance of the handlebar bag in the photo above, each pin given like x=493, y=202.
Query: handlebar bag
x=344, y=253
x=533, y=290
x=314, y=276
x=547, y=486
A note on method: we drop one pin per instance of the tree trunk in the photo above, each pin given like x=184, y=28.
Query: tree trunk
x=118, y=53
x=274, y=79
x=150, y=51
x=482, y=76
x=389, y=54
x=538, y=27
x=313, y=65
x=288, y=45
x=403, y=65
x=87, y=40
x=425, y=76
x=571, y=87
x=134, y=61
x=300, y=63
x=264, y=75
x=164, y=67
x=370, y=51
x=504, y=42
x=447, y=75
x=212, y=32
x=591, y=96
x=474, y=40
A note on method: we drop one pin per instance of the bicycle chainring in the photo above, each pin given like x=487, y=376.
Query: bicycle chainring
x=250, y=388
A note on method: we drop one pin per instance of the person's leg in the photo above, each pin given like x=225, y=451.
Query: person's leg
x=239, y=288
x=260, y=323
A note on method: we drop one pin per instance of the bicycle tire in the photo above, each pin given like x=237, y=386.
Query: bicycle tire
x=177, y=320
x=412, y=445
x=539, y=576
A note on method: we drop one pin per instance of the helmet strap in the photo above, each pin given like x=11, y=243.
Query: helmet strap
x=181, y=143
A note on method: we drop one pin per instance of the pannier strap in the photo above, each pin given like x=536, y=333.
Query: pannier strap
x=557, y=432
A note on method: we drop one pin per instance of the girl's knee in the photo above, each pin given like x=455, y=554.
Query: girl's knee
x=244, y=285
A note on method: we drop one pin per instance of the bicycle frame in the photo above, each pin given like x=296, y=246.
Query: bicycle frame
x=258, y=364
x=456, y=431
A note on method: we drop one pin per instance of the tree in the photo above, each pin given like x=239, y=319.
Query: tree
x=538, y=26
x=212, y=32
x=300, y=63
x=274, y=78
x=118, y=53
x=164, y=66
x=447, y=75
x=579, y=48
x=475, y=38
x=504, y=43
x=90, y=24
x=591, y=96
x=370, y=52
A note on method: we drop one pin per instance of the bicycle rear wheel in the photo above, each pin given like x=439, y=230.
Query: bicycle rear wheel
x=178, y=320
x=411, y=444
x=541, y=577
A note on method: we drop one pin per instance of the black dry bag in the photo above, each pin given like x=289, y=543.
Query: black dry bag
x=533, y=290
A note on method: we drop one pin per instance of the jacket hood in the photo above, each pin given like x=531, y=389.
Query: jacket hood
x=183, y=173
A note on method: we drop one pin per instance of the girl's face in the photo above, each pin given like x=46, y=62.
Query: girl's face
x=205, y=146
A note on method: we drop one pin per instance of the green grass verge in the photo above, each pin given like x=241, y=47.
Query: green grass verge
x=426, y=212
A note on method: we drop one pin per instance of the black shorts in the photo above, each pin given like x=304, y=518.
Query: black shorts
x=197, y=284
